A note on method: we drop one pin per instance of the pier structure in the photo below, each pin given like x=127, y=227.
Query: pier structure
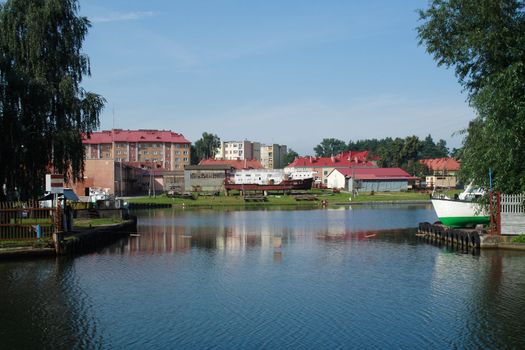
x=464, y=238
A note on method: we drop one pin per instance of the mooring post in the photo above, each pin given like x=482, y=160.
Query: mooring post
x=58, y=234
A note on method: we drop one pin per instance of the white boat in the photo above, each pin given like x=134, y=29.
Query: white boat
x=463, y=211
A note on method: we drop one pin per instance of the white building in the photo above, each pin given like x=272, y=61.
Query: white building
x=234, y=150
x=268, y=176
x=271, y=156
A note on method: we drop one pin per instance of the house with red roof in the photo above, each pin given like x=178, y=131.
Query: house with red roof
x=323, y=166
x=443, y=172
x=370, y=179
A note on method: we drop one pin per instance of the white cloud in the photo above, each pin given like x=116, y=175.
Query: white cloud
x=128, y=16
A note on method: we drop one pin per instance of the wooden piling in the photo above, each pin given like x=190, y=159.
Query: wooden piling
x=462, y=238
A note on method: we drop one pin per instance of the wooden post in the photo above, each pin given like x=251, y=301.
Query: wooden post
x=498, y=213
x=58, y=234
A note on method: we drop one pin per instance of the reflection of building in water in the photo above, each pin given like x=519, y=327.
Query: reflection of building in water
x=171, y=231
x=153, y=240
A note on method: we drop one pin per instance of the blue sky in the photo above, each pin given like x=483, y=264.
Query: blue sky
x=289, y=72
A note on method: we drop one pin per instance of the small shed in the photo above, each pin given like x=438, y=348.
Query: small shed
x=370, y=179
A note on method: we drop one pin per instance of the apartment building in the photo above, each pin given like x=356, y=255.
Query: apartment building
x=233, y=150
x=147, y=149
x=271, y=156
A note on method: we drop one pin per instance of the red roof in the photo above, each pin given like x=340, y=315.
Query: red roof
x=345, y=159
x=237, y=164
x=441, y=164
x=119, y=135
x=376, y=173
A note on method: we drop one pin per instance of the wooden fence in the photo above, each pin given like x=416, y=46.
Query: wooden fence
x=512, y=212
x=26, y=220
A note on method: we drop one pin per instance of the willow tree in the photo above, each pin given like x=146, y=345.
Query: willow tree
x=43, y=108
x=484, y=41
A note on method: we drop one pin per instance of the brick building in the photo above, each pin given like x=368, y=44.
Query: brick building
x=147, y=149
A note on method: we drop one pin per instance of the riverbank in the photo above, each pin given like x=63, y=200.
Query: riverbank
x=80, y=240
x=310, y=198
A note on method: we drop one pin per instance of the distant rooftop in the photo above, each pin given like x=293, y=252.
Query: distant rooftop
x=237, y=164
x=345, y=159
x=449, y=164
x=141, y=135
x=376, y=174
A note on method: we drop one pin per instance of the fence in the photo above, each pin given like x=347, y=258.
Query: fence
x=26, y=220
x=512, y=213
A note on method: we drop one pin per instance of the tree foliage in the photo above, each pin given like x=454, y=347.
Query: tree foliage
x=43, y=109
x=290, y=156
x=402, y=153
x=330, y=147
x=206, y=146
x=484, y=41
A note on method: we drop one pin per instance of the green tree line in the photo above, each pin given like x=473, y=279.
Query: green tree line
x=391, y=152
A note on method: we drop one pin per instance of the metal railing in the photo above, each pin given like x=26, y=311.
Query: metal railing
x=512, y=203
x=26, y=221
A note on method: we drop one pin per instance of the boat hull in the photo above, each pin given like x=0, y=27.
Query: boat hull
x=454, y=213
x=286, y=185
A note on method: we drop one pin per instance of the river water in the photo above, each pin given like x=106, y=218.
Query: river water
x=355, y=277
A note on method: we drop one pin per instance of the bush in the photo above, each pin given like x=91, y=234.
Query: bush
x=519, y=239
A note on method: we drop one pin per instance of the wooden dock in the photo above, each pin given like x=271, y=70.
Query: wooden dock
x=464, y=238
x=467, y=239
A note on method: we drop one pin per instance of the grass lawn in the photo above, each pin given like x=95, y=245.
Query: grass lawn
x=280, y=199
x=30, y=243
x=84, y=223
x=519, y=239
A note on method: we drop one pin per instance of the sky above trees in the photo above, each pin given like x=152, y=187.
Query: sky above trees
x=290, y=72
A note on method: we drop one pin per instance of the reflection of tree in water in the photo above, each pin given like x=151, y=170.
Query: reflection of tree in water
x=499, y=297
x=42, y=305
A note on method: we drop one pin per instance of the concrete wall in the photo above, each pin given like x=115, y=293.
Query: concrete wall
x=208, y=180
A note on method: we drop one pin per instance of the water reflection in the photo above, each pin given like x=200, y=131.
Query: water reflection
x=268, y=279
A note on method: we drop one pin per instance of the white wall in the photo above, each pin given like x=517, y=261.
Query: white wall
x=336, y=180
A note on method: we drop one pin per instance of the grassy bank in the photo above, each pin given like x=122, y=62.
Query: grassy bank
x=280, y=199
x=30, y=243
x=86, y=223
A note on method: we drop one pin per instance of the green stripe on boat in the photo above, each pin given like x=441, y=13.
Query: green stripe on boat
x=462, y=221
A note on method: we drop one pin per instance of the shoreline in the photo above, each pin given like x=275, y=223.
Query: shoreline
x=74, y=243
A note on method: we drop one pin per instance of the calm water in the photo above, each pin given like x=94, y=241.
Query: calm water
x=311, y=279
